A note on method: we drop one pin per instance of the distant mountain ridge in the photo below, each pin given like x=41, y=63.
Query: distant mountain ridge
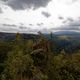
x=70, y=34
x=67, y=33
x=11, y=36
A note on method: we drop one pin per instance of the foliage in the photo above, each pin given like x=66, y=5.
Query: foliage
x=35, y=60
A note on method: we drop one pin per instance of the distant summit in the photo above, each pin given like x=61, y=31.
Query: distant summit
x=67, y=33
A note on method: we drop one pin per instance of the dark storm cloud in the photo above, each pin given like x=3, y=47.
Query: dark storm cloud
x=22, y=27
x=65, y=21
x=74, y=25
x=14, y=25
x=61, y=18
x=46, y=14
x=4, y=0
x=40, y=24
x=10, y=25
x=68, y=28
x=31, y=24
x=69, y=19
x=23, y=4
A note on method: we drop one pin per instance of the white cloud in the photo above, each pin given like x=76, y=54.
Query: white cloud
x=67, y=9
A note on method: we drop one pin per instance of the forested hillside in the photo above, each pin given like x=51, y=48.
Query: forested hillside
x=41, y=58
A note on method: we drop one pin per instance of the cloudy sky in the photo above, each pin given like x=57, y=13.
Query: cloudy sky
x=39, y=15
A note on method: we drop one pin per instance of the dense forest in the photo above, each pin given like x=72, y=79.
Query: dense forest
x=39, y=58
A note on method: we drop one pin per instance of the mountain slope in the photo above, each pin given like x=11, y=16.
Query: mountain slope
x=11, y=36
x=68, y=34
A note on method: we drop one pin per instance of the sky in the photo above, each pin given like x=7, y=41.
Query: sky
x=31, y=16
